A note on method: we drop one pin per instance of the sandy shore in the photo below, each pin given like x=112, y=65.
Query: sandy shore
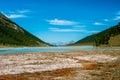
x=78, y=65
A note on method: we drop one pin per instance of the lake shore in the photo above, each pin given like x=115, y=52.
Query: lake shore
x=77, y=65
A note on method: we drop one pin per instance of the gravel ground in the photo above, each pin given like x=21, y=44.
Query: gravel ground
x=78, y=65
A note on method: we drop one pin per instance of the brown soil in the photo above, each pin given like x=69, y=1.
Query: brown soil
x=96, y=65
x=44, y=75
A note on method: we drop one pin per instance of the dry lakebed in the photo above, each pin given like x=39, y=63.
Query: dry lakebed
x=76, y=65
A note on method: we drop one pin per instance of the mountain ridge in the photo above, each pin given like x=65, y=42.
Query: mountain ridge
x=102, y=38
x=11, y=34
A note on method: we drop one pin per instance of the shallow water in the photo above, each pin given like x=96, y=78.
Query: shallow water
x=51, y=49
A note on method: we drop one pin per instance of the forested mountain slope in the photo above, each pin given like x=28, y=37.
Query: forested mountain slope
x=13, y=34
x=108, y=37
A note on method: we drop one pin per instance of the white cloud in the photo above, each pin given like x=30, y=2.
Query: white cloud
x=19, y=11
x=117, y=18
x=23, y=11
x=16, y=13
x=72, y=30
x=65, y=30
x=79, y=26
x=98, y=23
x=61, y=22
x=93, y=31
x=15, y=16
x=106, y=20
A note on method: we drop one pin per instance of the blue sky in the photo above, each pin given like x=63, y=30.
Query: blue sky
x=62, y=20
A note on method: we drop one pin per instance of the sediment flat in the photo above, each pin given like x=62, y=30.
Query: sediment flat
x=77, y=65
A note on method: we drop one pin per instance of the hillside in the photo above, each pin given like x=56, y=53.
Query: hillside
x=12, y=34
x=109, y=37
x=115, y=40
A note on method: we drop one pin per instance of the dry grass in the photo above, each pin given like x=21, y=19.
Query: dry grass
x=115, y=41
x=90, y=66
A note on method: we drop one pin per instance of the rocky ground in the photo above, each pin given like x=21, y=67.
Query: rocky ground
x=78, y=65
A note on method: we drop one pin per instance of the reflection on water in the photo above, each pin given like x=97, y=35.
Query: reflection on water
x=51, y=49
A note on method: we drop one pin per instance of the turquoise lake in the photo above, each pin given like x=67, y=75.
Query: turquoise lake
x=51, y=49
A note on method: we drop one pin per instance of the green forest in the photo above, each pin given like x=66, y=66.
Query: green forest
x=13, y=34
x=101, y=38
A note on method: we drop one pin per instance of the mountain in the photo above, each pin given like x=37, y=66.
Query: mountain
x=60, y=43
x=11, y=34
x=108, y=37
